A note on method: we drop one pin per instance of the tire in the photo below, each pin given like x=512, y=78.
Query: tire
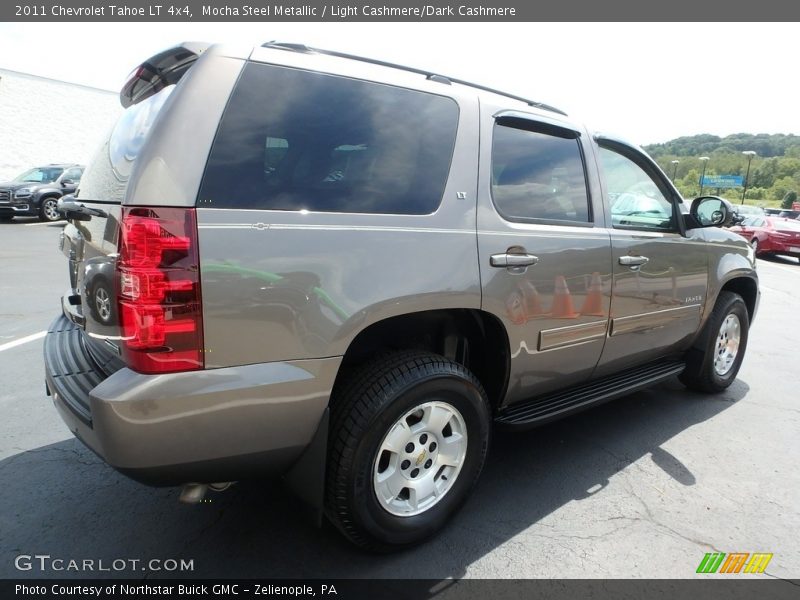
x=49, y=210
x=397, y=401
x=712, y=365
x=6, y=219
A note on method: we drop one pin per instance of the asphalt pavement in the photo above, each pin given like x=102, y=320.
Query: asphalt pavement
x=641, y=487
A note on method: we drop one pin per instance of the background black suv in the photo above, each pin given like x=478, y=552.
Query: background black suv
x=36, y=191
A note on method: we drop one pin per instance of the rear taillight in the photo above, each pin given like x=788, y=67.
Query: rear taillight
x=159, y=290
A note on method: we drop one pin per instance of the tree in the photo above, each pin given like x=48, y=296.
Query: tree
x=783, y=187
x=788, y=199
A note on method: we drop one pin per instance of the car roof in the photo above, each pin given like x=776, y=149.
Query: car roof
x=433, y=76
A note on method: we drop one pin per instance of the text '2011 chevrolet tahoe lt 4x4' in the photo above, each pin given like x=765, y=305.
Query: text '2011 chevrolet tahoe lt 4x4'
x=346, y=272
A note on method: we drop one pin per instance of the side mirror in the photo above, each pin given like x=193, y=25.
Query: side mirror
x=66, y=182
x=712, y=211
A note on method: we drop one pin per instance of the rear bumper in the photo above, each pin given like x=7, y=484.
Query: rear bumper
x=773, y=245
x=789, y=248
x=202, y=426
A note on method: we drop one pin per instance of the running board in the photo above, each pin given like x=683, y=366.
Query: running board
x=549, y=407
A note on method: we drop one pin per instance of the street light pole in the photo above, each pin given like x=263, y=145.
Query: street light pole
x=674, y=169
x=750, y=154
x=703, y=176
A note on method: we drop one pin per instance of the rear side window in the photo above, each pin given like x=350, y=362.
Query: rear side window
x=538, y=173
x=297, y=140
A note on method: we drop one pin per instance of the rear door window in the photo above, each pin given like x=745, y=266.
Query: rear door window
x=298, y=140
x=538, y=173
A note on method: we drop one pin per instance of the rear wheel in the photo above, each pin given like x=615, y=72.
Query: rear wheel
x=712, y=365
x=49, y=210
x=409, y=437
x=6, y=218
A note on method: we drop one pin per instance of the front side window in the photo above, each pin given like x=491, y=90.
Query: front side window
x=636, y=200
x=298, y=140
x=538, y=175
x=73, y=175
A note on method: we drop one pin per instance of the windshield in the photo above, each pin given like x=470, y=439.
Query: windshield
x=40, y=175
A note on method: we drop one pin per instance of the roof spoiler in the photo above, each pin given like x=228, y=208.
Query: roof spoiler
x=159, y=71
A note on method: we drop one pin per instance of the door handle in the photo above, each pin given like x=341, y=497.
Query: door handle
x=506, y=260
x=633, y=261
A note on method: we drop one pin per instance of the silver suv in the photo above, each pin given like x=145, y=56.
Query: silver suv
x=296, y=262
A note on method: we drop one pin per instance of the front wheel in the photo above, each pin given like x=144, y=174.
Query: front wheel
x=712, y=365
x=409, y=438
x=49, y=210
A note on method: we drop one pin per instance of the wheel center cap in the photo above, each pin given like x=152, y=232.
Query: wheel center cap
x=421, y=457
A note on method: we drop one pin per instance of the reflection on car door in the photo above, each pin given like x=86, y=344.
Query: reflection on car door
x=660, y=276
x=545, y=266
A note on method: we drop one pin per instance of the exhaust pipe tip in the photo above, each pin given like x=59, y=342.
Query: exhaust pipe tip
x=220, y=487
x=193, y=493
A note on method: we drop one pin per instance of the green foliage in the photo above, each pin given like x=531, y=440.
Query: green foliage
x=764, y=144
x=782, y=187
x=774, y=171
x=788, y=199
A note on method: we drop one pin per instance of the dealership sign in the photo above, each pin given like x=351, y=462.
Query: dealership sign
x=722, y=181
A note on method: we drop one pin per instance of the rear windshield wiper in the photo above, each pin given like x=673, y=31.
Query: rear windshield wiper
x=74, y=210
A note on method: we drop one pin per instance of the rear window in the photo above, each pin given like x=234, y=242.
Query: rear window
x=791, y=226
x=106, y=176
x=297, y=140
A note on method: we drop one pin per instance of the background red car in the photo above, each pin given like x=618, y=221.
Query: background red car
x=771, y=235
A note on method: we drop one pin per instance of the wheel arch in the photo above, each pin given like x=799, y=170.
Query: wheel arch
x=471, y=337
x=43, y=195
x=747, y=288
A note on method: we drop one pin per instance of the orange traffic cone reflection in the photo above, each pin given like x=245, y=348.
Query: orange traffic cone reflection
x=593, y=305
x=530, y=299
x=562, y=301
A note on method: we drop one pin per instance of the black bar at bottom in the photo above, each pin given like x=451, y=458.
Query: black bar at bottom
x=733, y=587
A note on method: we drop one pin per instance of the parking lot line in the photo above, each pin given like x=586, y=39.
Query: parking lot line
x=786, y=268
x=39, y=223
x=20, y=341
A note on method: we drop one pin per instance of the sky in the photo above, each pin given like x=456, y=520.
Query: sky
x=648, y=82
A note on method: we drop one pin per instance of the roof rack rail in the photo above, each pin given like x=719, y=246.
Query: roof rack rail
x=427, y=74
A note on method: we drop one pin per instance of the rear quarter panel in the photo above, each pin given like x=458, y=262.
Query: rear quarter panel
x=285, y=285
